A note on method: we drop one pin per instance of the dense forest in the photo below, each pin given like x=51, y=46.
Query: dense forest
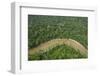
x=42, y=28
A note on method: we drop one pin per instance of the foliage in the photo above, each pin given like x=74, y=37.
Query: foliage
x=44, y=28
